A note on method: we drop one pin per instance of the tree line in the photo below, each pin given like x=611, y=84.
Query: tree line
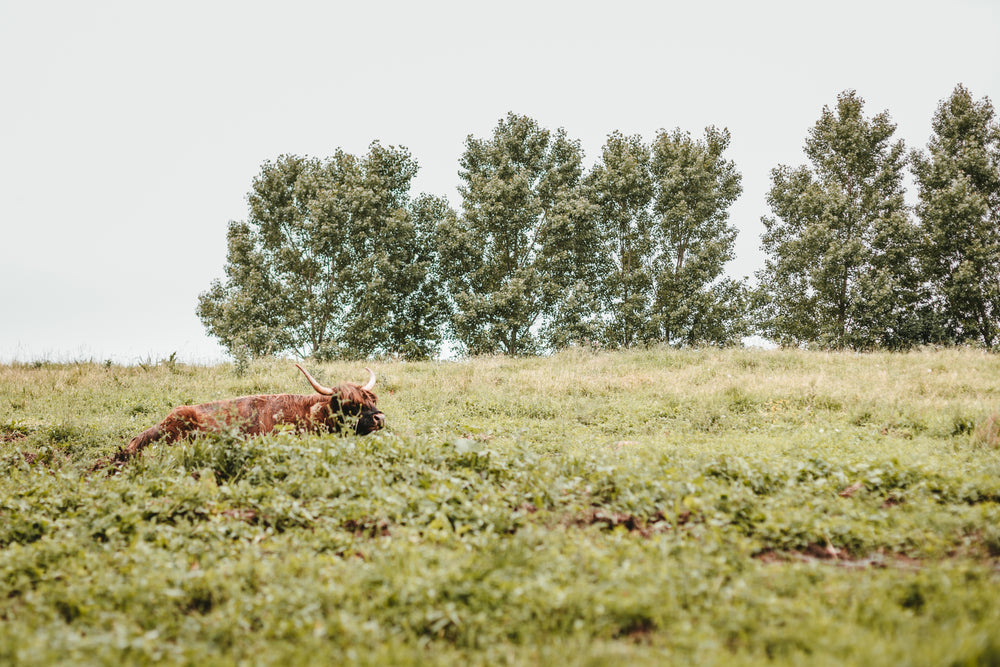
x=337, y=260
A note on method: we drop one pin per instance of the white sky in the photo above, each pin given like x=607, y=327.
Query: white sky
x=130, y=131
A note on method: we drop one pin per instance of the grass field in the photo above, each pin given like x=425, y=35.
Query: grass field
x=652, y=507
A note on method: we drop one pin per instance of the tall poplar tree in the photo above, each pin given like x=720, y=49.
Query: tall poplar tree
x=694, y=188
x=621, y=188
x=518, y=251
x=959, y=208
x=840, y=268
x=569, y=248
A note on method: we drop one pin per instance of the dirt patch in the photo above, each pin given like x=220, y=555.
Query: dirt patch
x=638, y=631
x=367, y=527
x=771, y=556
x=50, y=460
x=639, y=525
x=827, y=553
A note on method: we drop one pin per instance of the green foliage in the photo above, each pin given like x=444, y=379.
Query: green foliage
x=958, y=180
x=663, y=505
x=335, y=260
x=841, y=268
x=663, y=213
x=694, y=189
x=522, y=250
x=622, y=188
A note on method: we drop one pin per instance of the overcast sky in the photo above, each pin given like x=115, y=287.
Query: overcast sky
x=130, y=132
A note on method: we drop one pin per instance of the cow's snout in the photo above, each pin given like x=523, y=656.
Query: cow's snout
x=370, y=422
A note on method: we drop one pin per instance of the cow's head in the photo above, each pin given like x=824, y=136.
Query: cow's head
x=356, y=404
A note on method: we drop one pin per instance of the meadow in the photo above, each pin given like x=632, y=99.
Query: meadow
x=731, y=507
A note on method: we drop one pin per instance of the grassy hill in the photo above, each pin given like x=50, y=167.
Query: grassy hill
x=709, y=507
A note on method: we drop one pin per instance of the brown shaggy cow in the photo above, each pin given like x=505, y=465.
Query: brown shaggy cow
x=325, y=410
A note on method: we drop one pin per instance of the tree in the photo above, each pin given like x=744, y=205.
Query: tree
x=840, y=270
x=621, y=188
x=517, y=254
x=663, y=214
x=694, y=188
x=334, y=260
x=958, y=180
x=569, y=251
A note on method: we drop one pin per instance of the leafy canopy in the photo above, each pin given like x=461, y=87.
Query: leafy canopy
x=695, y=186
x=840, y=270
x=958, y=181
x=520, y=257
x=622, y=189
x=663, y=212
x=334, y=260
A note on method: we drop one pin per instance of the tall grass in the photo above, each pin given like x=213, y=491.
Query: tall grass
x=700, y=506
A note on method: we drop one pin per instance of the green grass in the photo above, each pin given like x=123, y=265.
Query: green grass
x=648, y=507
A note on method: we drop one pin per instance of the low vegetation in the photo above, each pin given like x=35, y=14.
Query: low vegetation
x=694, y=507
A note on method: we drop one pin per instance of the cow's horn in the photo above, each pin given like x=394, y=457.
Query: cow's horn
x=371, y=379
x=326, y=391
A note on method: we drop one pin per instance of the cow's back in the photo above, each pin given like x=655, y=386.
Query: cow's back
x=253, y=415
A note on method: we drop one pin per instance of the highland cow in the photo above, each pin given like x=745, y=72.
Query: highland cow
x=329, y=409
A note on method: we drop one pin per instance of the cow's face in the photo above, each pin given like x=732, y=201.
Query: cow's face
x=350, y=403
x=361, y=417
x=370, y=420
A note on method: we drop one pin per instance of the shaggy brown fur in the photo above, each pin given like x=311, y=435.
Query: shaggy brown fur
x=254, y=415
